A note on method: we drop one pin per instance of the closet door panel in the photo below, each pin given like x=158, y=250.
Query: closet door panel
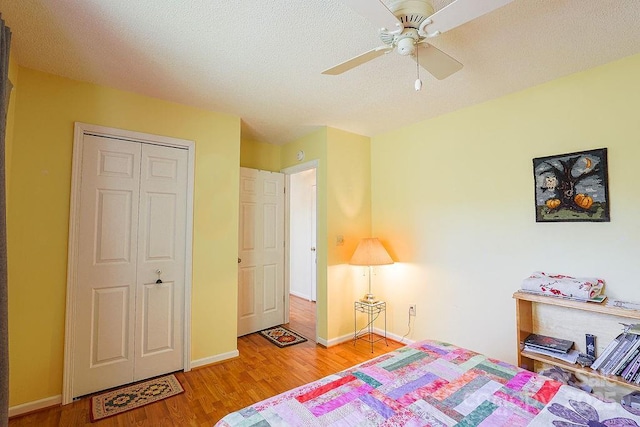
x=106, y=271
x=161, y=261
x=158, y=329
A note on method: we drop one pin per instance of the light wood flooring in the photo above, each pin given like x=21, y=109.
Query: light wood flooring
x=302, y=317
x=261, y=371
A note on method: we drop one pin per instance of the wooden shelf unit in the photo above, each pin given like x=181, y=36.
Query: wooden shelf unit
x=526, y=325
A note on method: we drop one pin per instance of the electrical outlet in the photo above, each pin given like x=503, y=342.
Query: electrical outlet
x=412, y=310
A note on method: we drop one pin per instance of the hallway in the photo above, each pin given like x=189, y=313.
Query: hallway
x=302, y=317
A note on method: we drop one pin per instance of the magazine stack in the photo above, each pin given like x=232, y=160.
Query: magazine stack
x=549, y=346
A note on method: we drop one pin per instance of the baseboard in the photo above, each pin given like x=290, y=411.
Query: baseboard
x=397, y=338
x=36, y=405
x=321, y=341
x=214, y=359
x=349, y=337
x=338, y=340
x=299, y=295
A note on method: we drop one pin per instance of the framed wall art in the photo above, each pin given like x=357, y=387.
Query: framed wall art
x=572, y=187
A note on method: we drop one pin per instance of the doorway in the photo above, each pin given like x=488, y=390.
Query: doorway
x=301, y=250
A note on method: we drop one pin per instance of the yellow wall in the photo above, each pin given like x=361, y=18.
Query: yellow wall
x=349, y=215
x=38, y=216
x=260, y=155
x=453, y=197
x=343, y=179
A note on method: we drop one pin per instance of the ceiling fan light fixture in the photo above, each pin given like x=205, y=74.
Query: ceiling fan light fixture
x=406, y=44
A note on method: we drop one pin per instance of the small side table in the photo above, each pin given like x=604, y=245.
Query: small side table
x=373, y=311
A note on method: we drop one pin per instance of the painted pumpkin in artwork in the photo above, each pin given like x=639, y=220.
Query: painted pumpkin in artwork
x=552, y=203
x=583, y=201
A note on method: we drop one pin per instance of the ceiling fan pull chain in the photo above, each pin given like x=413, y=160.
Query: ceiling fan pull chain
x=418, y=84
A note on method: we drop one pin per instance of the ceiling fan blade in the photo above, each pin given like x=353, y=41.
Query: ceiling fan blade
x=358, y=60
x=376, y=12
x=456, y=14
x=436, y=62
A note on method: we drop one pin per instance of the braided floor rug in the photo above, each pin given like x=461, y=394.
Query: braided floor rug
x=133, y=396
x=282, y=337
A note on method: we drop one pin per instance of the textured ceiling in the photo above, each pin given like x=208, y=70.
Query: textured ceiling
x=261, y=59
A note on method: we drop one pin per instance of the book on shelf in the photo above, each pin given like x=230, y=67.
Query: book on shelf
x=624, y=304
x=628, y=355
x=544, y=342
x=632, y=367
x=626, y=344
x=570, y=357
x=625, y=364
x=631, y=372
x=621, y=357
x=606, y=353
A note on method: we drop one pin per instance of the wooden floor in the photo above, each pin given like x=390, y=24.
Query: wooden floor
x=261, y=371
x=302, y=317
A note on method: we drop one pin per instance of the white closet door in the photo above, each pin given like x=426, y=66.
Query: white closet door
x=161, y=247
x=132, y=223
x=106, y=273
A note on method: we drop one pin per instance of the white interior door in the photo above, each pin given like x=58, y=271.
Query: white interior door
x=261, y=251
x=302, y=234
x=314, y=255
x=131, y=222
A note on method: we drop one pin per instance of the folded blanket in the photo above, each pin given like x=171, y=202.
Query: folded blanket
x=563, y=286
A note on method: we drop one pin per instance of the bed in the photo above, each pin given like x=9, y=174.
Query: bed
x=431, y=383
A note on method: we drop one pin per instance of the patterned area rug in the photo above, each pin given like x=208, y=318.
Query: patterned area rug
x=133, y=396
x=282, y=337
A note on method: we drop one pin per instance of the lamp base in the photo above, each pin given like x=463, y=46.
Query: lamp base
x=369, y=299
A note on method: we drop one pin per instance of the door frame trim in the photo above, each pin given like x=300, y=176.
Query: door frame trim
x=312, y=164
x=80, y=130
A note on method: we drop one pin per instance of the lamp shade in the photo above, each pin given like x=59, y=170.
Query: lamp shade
x=370, y=252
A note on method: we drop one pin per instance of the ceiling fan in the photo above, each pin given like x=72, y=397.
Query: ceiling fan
x=406, y=25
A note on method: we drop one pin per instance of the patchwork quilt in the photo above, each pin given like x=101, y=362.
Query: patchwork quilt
x=433, y=384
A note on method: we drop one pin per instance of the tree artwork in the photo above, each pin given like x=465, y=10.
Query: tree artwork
x=572, y=187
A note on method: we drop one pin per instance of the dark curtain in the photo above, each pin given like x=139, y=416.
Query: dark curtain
x=5, y=41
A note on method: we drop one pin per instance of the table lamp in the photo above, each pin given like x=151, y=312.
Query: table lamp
x=370, y=252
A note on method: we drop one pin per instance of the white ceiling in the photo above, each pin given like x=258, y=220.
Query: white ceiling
x=261, y=59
